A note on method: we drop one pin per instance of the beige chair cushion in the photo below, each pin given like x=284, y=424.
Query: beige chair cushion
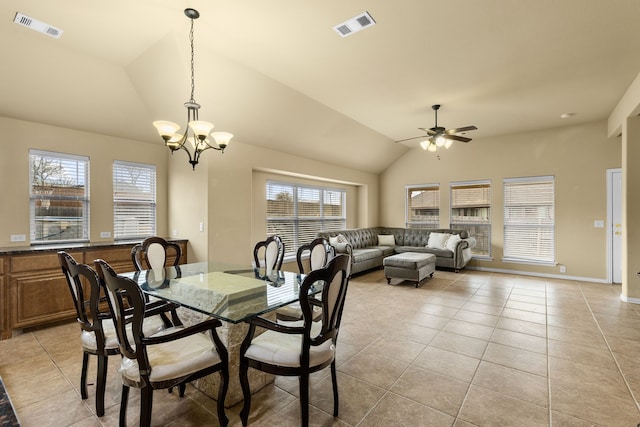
x=284, y=349
x=152, y=325
x=174, y=359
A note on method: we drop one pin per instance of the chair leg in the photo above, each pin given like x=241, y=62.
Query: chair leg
x=334, y=380
x=101, y=384
x=246, y=392
x=181, y=389
x=304, y=399
x=146, y=403
x=222, y=394
x=83, y=375
x=123, y=405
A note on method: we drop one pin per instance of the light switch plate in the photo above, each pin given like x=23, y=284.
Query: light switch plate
x=105, y=234
x=598, y=223
x=18, y=238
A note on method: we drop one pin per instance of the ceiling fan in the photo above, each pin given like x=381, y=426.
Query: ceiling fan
x=439, y=136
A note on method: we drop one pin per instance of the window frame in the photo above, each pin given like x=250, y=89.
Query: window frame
x=407, y=217
x=74, y=161
x=466, y=225
x=542, y=227
x=131, y=203
x=293, y=242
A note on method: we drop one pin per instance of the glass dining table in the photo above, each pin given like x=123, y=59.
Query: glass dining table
x=227, y=292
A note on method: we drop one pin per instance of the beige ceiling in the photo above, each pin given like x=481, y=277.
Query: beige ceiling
x=275, y=73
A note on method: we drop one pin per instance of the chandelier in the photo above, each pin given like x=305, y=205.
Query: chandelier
x=194, y=140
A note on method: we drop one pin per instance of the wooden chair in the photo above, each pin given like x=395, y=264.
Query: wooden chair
x=269, y=254
x=164, y=360
x=303, y=347
x=153, y=253
x=98, y=335
x=320, y=253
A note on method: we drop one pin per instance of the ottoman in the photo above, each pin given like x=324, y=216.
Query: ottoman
x=409, y=266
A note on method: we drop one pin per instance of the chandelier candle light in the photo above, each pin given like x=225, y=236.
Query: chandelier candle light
x=200, y=129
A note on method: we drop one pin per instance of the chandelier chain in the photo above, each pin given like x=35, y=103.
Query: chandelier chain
x=193, y=84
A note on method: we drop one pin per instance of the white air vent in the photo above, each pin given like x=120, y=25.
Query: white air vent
x=354, y=24
x=38, y=26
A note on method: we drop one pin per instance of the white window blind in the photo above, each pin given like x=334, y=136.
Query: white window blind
x=471, y=211
x=423, y=206
x=134, y=200
x=529, y=223
x=59, y=197
x=297, y=213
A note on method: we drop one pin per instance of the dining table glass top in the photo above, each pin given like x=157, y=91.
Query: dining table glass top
x=228, y=292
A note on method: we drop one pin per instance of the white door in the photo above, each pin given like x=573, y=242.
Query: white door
x=615, y=224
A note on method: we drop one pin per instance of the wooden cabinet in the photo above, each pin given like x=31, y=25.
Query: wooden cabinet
x=33, y=290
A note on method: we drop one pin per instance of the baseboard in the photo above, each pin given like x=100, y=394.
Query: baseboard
x=629, y=299
x=529, y=273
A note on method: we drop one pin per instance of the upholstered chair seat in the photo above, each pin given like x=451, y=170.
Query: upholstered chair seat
x=151, y=326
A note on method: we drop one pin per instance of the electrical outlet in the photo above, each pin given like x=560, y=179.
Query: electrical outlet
x=598, y=223
x=174, y=232
x=563, y=269
x=18, y=238
x=105, y=234
x=202, y=226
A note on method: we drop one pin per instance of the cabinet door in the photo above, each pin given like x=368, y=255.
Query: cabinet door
x=38, y=291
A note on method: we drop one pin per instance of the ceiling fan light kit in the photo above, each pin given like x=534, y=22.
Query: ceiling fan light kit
x=439, y=136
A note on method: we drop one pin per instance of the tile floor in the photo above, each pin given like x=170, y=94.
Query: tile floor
x=465, y=349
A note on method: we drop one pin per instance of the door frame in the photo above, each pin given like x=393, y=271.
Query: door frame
x=610, y=173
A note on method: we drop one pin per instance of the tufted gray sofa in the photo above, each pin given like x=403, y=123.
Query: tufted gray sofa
x=366, y=253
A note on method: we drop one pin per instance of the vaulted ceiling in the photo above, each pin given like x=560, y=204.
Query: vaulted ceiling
x=277, y=75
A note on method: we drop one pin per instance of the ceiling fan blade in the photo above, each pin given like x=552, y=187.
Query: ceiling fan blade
x=429, y=132
x=456, y=138
x=462, y=129
x=409, y=139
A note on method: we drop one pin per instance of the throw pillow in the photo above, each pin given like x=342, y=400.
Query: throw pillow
x=438, y=240
x=452, y=242
x=337, y=239
x=386, y=240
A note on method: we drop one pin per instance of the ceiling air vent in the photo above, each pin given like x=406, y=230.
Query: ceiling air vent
x=354, y=24
x=36, y=25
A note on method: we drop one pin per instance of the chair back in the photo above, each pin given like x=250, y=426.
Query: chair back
x=86, y=299
x=335, y=278
x=152, y=254
x=320, y=253
x=127, y=303
x=269, y=254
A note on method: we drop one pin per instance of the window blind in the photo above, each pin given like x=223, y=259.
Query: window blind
x=471, y=211
x=529, y=221
x=134, y=200
x=59, y=197
x=423, y=206
x=297, y=212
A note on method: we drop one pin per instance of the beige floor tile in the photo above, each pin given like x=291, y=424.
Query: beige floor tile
x=483, y=308
x=558, y=419
x=459, y=344
x=397, y=411
x=356, y=397
x=477, y=318
x=585, y=355
x=587, y=377
x=524, y=360
x=525, y=306
x=527, y=316
x=469, y=329
x=512, y=382
x=60, y=408
x=582, y=338
x=523, y=341
x=484, y=407
x=522, y=326
x=592, y=404
x=374, y=369
x=449, y=363
x=444, y=393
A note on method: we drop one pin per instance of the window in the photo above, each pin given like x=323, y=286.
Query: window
x=529, y=224
x=134, y=200
x=423, y=206
x=471, y=211
x=59, y=198
x=297, y=213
